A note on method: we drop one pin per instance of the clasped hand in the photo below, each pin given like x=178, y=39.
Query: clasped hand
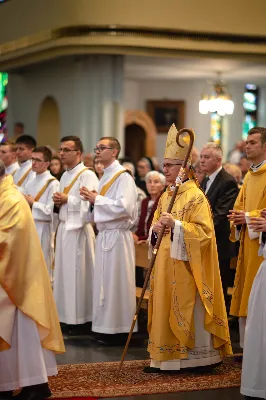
x=258, y=224
x=88, y=195
x=167, y=220
x=60, y=198
x=237, y=217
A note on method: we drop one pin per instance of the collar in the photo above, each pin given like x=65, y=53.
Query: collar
x=26, y=164
x=70, y=169
x=43, y=175
x=12, y=167
x=214, y=174
x=255, y=168
x=114, y=165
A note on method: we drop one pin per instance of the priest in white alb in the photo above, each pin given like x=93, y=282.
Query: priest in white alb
x=75, y=239
x=253, y=382
x=25, y=145
x=115, y=212
x=39, y=195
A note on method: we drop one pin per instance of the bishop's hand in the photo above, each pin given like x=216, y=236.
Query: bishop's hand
x=158, y=227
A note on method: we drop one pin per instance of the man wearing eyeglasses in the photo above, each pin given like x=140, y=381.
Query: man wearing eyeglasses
x=115, y=212
x=75, y=239
x=39, y=195
x=25, y=145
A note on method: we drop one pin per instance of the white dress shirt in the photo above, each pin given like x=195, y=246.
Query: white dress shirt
x=211, y=178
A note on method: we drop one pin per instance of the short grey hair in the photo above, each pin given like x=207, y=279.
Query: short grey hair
x=153, y=174
x=2, y=169
x=129, y=166
x=215, y=147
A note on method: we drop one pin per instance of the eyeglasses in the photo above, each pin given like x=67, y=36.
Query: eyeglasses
x=168, y=165
x=65, y=150
x=101, y=149
x=36, y=160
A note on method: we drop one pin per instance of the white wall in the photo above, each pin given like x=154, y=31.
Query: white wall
x=136, y=93
x=28, y=89
x=88, y=91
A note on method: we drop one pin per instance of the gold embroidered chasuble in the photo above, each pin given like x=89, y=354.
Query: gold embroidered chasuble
x=252, y=199
x=23, y=273
x=174, y=283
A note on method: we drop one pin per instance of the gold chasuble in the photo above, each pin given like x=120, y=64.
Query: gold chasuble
x=174, y=283
x=252, y=199
x=177, y=286
x=23, y=273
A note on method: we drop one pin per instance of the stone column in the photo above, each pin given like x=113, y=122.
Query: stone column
x=99, y=108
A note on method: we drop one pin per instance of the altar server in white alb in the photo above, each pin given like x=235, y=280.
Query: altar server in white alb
x=253, y=383
x=25, y=145
x=115, y=212
x=39, y=195
x=9, y=157
x=75, y=239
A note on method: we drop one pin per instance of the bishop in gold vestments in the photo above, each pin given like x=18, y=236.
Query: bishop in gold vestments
x=187, y=321
x=30, y=333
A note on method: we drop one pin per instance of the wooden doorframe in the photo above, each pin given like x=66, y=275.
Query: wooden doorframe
x=142, y=119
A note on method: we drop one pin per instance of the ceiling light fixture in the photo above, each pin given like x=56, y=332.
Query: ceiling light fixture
x=218, y=101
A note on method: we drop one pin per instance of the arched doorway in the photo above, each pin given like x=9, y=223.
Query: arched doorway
x=135, y=139
x=48, y=123
x=140, y=135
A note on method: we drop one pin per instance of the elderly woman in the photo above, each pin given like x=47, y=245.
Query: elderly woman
x=155, y=182
x=144, y=166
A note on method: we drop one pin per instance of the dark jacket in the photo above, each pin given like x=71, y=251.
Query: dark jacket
x=222, y=195
x=144, y=209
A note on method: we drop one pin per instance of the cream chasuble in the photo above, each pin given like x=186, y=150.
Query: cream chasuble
x=42, y=212
x=187, y=319
x=74, y=254
x=114, y=289
x=252, y=199
x=24, y=280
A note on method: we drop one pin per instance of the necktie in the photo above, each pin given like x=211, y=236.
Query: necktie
x=206, y=181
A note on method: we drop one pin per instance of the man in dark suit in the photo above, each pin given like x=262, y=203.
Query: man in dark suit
x=221, y=189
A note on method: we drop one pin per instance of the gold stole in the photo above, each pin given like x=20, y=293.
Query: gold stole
x=13, y=173
x=41, y=192
x=69, y=187
x=24, y=177
x=107, y=186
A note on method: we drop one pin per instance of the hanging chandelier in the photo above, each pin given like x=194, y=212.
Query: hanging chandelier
x=218, y=101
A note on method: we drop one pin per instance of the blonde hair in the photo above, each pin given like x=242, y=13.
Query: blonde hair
x=233, y=170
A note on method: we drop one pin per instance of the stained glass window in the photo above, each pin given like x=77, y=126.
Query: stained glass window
x=216, y=128
x=250, y=105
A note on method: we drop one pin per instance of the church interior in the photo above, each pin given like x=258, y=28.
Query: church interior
x=128, y=70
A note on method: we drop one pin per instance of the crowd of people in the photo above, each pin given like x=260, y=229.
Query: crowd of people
x=91, y=211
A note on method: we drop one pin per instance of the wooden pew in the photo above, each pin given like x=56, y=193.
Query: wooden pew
x=142, y=261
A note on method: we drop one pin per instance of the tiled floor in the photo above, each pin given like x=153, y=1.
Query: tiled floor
x=84, y=349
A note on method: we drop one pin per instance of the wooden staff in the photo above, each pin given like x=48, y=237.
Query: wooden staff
x=179, y=180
